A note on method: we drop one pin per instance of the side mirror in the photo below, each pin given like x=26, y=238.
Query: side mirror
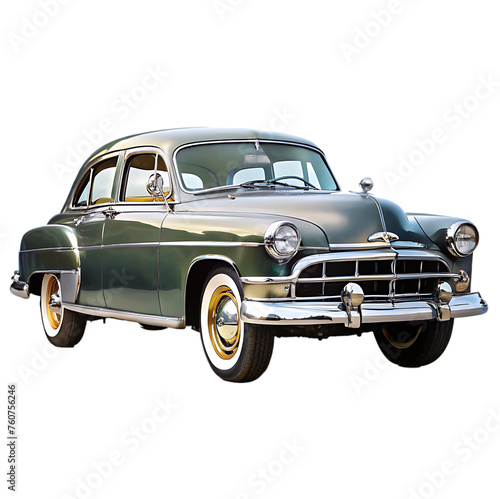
x=366, y=184
x=155, y=186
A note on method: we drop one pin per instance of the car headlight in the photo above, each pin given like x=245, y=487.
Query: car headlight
x=282, y=241
x=462, y=238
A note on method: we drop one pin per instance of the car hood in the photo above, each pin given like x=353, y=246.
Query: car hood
x=344, y=217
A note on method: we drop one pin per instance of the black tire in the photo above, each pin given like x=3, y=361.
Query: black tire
x=246, y=352
x=414, y=344
x=64, y=329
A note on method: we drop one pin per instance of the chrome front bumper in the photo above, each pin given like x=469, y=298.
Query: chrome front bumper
x=293, y=313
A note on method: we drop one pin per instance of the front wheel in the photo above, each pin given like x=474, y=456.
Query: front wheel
x=236, y=351
x=414, y=344
x=63, y=328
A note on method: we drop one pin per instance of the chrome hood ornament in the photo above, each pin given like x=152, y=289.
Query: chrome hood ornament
x=386, y=237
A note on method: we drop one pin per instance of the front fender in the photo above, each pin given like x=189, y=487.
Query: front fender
x=435, y=227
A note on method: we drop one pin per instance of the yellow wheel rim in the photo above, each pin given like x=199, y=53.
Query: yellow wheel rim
x=52, y=289
x=400, y=344
x=224, y=324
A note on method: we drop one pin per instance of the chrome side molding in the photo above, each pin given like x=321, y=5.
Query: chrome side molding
x=108, y=313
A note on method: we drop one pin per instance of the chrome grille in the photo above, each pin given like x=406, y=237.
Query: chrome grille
x=389, y=277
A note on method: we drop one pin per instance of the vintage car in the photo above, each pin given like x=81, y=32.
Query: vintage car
x=245, y=236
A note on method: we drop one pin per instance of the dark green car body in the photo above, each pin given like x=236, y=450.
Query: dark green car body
x=147, y=261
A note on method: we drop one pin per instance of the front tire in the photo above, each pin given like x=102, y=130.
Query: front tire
x=414, y=344
x=63, y=328
x=236, y=351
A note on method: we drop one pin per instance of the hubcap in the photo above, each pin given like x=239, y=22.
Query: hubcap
x=402, y=338
x=224, y=322
x=53, y=303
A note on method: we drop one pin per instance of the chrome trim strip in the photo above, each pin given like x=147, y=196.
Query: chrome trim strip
x=316, y=313
x=62, y=248
x=380, y=212
x=151, y=320
x=211, y=243
x=359, y=246
x=156, y=244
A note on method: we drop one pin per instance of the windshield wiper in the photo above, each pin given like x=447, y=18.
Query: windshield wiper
x=266, y=183
x=254, y=184
x=278, y=181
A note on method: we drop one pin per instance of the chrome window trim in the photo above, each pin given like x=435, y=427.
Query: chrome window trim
x=90, y=166
x=113, y=184
x=143, y=150
x=233, y=141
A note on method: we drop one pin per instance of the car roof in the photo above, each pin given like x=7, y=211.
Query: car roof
x=173, y=138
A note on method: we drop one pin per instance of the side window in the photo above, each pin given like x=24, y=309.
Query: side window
x=82, y=193
x=137, y=172
x=102, y=185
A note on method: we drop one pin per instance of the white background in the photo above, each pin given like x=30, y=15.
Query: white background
x=263, y=64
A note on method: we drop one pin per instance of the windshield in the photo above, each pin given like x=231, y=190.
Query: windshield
x=253, y=163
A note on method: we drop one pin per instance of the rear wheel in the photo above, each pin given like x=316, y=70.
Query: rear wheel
x=236, y=351
x=63, y=328
x=414, y=344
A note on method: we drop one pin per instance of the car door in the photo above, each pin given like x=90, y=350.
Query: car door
x=91, y=203
x=130, y=248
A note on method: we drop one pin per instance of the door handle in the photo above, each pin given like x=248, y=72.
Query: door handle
x=79, y=220
x=111, y=213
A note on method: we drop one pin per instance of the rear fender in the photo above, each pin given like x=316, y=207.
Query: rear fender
x=51, y=249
